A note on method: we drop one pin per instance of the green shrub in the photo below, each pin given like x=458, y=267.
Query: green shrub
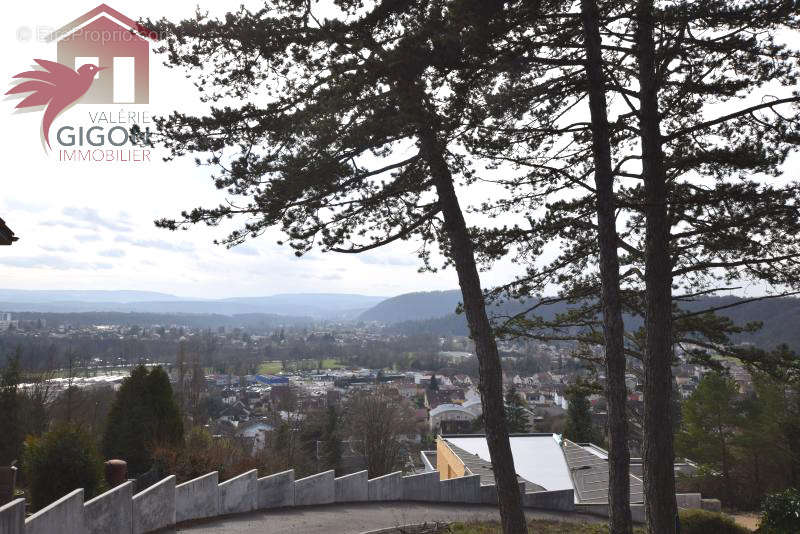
x=780, y=513
x=703, y=522
x=59, y=462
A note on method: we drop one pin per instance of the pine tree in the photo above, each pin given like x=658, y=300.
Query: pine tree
x=579, y=428
x=697, y=215
x=711, y=418
x=144, y=415
x=434, y=383
x=13, y=435
x=181, y=360
x=339, y=93
x=620, y=521
x=516, y=412
x=331, y=440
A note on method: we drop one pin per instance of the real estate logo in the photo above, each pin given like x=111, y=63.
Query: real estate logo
x=103, y=58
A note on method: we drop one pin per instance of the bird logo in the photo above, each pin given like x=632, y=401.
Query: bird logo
x=56, y=87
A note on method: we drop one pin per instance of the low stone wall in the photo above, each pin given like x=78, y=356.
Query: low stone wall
x=688, y=500
x=563, y=500
x=239, y=494
x=276, y=491
x=712, y=505
x=198, y=498
x=12, y=517
x=462, y=489
x=316, y=489
x=154, y=508
x=424, y=487
x=352, y=487
x=638, y=513
x=386, y=488
x=64, y=515
x=110, y=512
x=489, y=493
x=164, y=504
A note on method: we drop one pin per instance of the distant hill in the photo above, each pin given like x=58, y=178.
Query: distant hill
x=422, y=313
x=414, y=306
x=433, y=305
x=323, y=305
x=193, y=320
x=310, y=303
x=46, y=295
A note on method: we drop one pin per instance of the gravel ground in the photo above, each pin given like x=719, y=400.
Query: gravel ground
x=357, y=518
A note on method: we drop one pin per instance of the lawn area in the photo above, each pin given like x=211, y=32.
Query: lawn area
x=269, y=368
x=275, y=367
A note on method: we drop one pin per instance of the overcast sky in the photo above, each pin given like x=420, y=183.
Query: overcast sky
x=90, y=225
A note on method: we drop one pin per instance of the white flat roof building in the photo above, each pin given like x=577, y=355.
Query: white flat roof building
x=538, y=459
x=543, y=461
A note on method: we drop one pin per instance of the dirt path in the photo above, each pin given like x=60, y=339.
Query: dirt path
x=748, y=521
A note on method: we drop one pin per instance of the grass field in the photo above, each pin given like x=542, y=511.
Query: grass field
x=275, y=367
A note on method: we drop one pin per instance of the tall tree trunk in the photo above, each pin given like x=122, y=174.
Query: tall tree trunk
x=613, y=327
x=491, y=372
x=462, y=253
x=658, y=453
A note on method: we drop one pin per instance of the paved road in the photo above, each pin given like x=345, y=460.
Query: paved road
x=356, y=518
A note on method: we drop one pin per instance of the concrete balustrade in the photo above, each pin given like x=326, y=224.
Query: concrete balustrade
x=12, y=517
x=276, y=491
x=164, y=504
x=638, y=513
x=198, y=498
x=64, y=515
x=386, y=488
x=423, y=487
x=154, y=508
x=316, y=489
x=239, y=494
x=462, y=489
x=110, y=512
x=489, y=493
x=711, y=505
x=563, y=500
x=352, y=487
x=688, y=500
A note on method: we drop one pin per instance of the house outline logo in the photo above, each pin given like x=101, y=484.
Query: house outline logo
x=103, y=58
x=106, y=38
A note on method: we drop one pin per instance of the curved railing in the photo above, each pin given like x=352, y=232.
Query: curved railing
x=165, y=504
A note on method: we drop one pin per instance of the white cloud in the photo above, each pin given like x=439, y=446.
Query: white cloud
x=87, y=238
x=51, y=262
x=112, y=253
x=157, y=244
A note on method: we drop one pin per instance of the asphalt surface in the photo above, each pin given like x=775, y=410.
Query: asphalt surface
x=358, y=518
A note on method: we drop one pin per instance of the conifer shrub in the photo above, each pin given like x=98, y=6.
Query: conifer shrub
x=780, y=513
x=59, y=462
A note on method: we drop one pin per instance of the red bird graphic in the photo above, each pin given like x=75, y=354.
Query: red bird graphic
x=58, y=87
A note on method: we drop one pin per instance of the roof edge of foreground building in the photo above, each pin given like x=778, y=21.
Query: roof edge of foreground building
x=6, y=235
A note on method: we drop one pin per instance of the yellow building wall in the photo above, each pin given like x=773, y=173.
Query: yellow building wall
x=448, y=464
